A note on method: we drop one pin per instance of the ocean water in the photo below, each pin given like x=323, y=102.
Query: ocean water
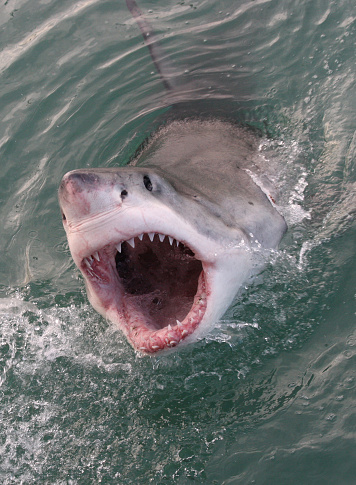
x=268, y=397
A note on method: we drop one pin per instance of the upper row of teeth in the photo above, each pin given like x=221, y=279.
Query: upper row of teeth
x=151, y=235
x=88, y=261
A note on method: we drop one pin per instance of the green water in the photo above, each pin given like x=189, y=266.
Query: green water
x=268, y=396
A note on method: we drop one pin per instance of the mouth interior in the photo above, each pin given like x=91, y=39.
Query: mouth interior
x=160, y=278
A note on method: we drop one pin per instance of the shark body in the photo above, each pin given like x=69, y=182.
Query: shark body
x=165, y=243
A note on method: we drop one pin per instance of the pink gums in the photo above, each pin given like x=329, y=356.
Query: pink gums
x=116, y=305
x=147, y=340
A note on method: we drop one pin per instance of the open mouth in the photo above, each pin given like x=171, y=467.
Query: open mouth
x=155, y=285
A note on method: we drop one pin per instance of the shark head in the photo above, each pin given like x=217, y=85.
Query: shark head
x=156, y=261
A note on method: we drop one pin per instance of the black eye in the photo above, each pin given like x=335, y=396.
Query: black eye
x=63, y=217
x=147, y=182
x=123, y=194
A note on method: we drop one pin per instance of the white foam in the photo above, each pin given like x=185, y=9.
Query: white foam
x=40, y=336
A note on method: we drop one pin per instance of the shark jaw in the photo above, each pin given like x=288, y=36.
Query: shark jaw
x=152, y=286
x=157, y=290
x=148, y=269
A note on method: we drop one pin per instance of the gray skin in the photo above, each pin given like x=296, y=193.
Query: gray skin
x=191, y=154
x=210, y=162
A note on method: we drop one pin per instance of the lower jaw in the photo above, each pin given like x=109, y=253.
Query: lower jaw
x=148, y=340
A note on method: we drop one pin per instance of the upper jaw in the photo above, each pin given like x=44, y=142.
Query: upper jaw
x=115, y=228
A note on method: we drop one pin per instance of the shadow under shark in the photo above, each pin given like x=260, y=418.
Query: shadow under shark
x=165, y=243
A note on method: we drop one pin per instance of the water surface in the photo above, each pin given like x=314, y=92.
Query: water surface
x=268, y=396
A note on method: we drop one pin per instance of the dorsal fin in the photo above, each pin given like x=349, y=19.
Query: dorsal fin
x=157, y=54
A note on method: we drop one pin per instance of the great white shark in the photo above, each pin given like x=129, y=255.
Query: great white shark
x=165, y=243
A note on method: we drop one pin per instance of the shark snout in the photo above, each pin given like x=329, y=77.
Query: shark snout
x=76, y=181
x=84, y=194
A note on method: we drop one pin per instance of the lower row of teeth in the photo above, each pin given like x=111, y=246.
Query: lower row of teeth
x=89, y=260
x=171, y=340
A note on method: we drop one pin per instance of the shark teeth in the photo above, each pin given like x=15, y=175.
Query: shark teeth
x=151, y=236
x=174, y=333
x=89, y=260
x=95, y=266
x=131, y=242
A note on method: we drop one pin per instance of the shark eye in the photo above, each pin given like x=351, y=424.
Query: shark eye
x=124, y=194
x=147, y=182
x=63, y=217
